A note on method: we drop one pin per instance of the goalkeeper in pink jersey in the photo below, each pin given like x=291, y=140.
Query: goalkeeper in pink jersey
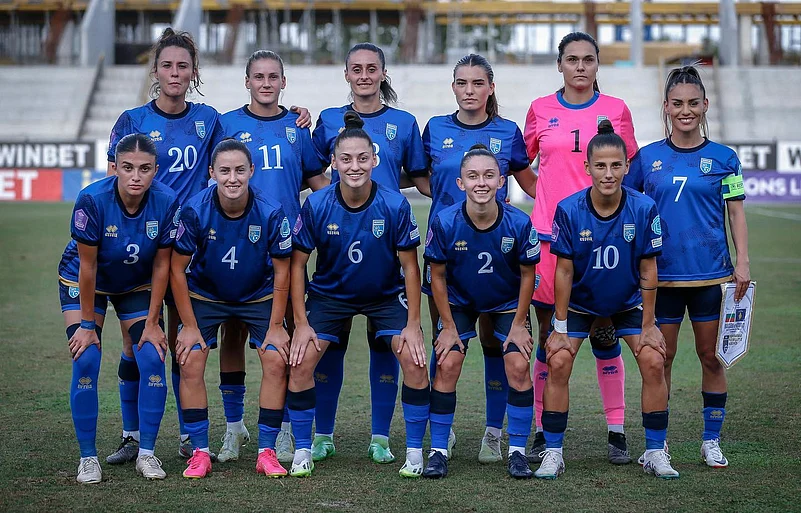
x=558, y=128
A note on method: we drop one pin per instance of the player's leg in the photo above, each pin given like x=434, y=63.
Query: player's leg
x=173, y=321
x=128, y=383
x=384, y=376
x=234, y=335
x=543, y=301
x=496, y=390
x=328, y=378
x=83, y=386
x=285, y=441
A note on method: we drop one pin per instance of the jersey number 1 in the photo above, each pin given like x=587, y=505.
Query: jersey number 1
x=576, y=146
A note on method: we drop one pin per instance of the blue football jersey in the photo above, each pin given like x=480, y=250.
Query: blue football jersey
x=283, y=153
x=357, y=249
x=690, y=188
x=184, y=143
x=446, y=140
x=606, y=251
x=396, y=142
x=126, y=243
x=482, y=267
x=232, y=258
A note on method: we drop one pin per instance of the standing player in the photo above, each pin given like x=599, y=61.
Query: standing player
x=366, y=239
x=446, y=139
x=284, y=158
x=696, y=184
x=122, y=230
x=400, y=163
x=239, y=243
x=606, y=239
x=558, y=128
x=481, y=244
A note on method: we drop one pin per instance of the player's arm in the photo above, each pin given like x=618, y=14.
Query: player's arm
x=650, y=336
x=153, y=332
x=563, y=284
x=519, y=334
x=739, y=234
x=317, y=182
x=449, y=335
x=527, y=179
x=190, y=334
x=423, y=184
x=412, y=335
x=85, y=336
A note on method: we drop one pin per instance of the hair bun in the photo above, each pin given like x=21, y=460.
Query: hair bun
x=478, y=146
x=605, y=127
x=353, y=120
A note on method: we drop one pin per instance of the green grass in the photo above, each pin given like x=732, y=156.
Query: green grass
x=39, y=454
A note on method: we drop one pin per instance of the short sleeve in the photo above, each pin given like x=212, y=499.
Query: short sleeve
x=530, y=135
x=519, y=159
x=280, y=242
x=122, y=127
x=86, y=221
x=321, y=145
x=634, y=178
x=217, y=135
x=427, y=144
x=169, y=225
x=414, y=155
x=561, y=236
x=436, y=250
x=529, y=244
x=310, y=162
x=651, y=245
x=408, y=236
x=732, y=186
x=188, y=232
x=303, y=232
x=627, y=132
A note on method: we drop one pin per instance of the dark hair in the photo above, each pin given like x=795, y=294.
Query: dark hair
x=606, y=137
x=134, y=142
x=181, y=40
x=684, y=75
x=482, y=62
x=387, y=93
x=478, y=150
x=572, y=38
x=263, y=54
x=230, y=144
x=353, y=129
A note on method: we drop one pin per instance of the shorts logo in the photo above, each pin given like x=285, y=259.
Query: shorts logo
x=332, y=229
x=533, y=238
x=495, y=145
x=601, y=118
x=461, y=245
x=656, y=166
x=291, y=134
x=245, y=137
x=554, y=231
x=254, y=233
x=85, y=383
x=298, y=225
x=200, y=128
x=155, y=381
x=152, y=229
x=628, y=232
x=73, y=292
x=447, y=143
x=585, y=235
x=412, y=219
x=391, y=131
x=507, y=243
x=111, y=231
x=378, y=228
x=656, y=226
x=155, y=136
x=285, y=227
x=429, y=237
x=81, y=219
x=706, y=165
x=177, y=217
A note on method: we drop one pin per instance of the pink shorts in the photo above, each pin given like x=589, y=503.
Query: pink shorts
x=544, y=282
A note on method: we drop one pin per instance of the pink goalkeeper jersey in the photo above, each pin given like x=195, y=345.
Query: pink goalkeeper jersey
x=559, y=132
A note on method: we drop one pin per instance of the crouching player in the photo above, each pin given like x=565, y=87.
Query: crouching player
x=122, y=230
x=239, y=243
x=606, y=238
x=366, y=239
x=482, y=254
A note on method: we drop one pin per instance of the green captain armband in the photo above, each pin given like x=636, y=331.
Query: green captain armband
x=733, y=186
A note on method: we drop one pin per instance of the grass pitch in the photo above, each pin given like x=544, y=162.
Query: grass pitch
x=761, y=438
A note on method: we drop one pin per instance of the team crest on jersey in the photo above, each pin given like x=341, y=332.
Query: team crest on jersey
x=628, y=232
x=291, y=134
x=391, y=131
x=81, y=219
x=152, y=229
x=200, y=128
x=706, y=165
x=73, y=292
x=245, y=137
x=495, y=145
x=254, y=233
x=507, y=243
x=378, y=228
x=656, y=226
x=285, y=229
x=601, y=118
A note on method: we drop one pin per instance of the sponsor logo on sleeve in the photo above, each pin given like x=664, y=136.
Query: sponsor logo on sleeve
x=414, y=234
x=554, y=231
x=656, y=226
x=298, y=225
x=429, y=237
x=285, y=230
x=656, y=243
x=81, y=219
x=285, y=244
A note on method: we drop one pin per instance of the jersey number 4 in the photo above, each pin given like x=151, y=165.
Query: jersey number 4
x=230, y=258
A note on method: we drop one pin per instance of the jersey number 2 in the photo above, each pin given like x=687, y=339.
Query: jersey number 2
x=487, y=267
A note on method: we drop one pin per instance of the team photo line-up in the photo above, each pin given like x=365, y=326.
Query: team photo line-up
x=201, y=212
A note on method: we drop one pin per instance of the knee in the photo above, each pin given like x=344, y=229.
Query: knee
x=148, y=360
x=560, y=366
x=194, y=369
x=273, y=365
x=517, y=371
x=88, y=364
x=652, y=365
x=413, y=375
x=449, y=370
x=302, y=374
x=709, y=361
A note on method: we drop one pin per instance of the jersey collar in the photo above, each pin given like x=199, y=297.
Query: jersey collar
x=278, y=116
x=479, y=126
x=686, y=150
x=124, y=210
x=216, y=199
x=163, y=114
x=576, y=106
x=364, y=206
x=375, y=114
x=485, y=230
x=614, y=214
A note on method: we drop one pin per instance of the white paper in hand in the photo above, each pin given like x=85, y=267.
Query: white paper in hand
x=735, y=324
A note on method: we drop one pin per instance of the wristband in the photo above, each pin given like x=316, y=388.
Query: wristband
x=559, y=326
x=87, y=325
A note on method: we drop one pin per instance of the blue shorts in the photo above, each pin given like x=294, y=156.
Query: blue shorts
x=626, y=323
x=328, y=316
x=211, y=315
x=465, y=321
x=702, y=303
x=128, y=306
